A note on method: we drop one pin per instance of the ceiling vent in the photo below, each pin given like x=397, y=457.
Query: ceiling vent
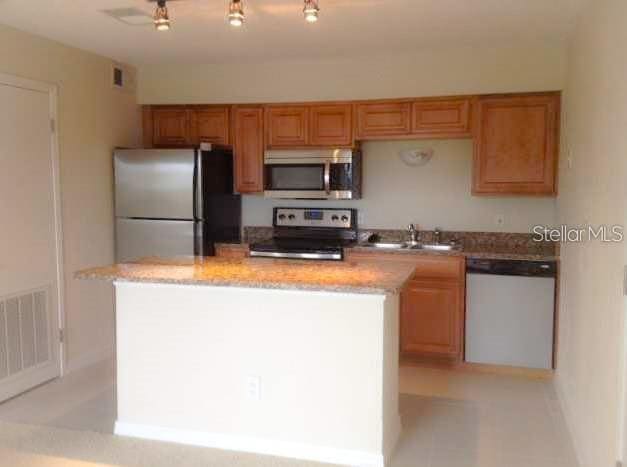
x=123, y=77
x=130, y=16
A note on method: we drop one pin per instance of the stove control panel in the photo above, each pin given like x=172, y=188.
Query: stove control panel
x=314, y=217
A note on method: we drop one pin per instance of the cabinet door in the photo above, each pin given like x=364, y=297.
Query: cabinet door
x=516, y=145
x=248, y=149
x=287, y=126
x=382, y=120
x=431, y=318
x=442, y=118
x=331, y=125
x=171, y=127
x=211, y=125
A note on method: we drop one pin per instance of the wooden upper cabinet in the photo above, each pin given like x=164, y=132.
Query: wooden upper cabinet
x=383, y=120
x=248, y=148
x=171, y=127
x=287, y=126
x=331, y=125
x=211, y=125
x=516, y=144
x=442, y=118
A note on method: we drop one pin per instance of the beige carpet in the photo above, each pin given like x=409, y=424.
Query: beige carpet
x=30, y=446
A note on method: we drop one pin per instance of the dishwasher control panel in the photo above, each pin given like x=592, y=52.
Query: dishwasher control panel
x=506, y=267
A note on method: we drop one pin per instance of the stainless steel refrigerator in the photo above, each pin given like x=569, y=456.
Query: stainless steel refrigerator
x=174, y=202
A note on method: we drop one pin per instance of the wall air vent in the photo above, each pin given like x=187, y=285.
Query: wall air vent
x=123, y=77
x=24, y=332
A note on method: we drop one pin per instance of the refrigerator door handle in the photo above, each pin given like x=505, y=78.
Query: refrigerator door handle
x=199, y=239
x=198, y=187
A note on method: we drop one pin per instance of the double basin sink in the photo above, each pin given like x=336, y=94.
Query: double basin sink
x=411, y=246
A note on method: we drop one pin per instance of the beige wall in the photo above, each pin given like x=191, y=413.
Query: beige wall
x=594, y=191
x=438, y=194
x=521, y=67
x=93, y=118
x=435, y=195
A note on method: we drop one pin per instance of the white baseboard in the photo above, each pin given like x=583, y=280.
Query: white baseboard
x=88, y=359
x=252, y=445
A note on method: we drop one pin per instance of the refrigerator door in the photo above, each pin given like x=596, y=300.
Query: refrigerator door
x=155, y=183
x=138, y=238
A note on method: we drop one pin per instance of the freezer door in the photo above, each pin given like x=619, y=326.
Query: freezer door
x=138, y=238
x=155, y=183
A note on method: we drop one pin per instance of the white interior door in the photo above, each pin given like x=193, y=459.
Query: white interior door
x=30, y=297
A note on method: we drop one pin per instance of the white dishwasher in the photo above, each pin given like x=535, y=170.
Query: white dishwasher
x=510, y=312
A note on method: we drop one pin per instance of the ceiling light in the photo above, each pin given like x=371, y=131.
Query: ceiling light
x=311, y=11
x=161, y=18
x=236, y=13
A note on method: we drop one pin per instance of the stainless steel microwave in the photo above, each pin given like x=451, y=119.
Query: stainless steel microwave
x=312, y=174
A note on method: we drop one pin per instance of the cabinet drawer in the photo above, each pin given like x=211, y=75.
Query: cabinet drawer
x=427, y=266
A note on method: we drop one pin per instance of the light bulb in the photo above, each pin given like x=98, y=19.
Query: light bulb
x=236, y=13
x=311, y=11
x=161, y=18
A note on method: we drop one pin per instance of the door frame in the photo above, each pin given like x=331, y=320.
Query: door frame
x=53, y=95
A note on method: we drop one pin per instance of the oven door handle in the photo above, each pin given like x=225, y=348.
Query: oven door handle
x=327, y=177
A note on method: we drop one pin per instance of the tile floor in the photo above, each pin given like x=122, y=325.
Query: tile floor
x=450, y=419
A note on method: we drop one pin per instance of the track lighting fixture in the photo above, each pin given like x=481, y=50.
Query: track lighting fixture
x=236, y=13
x=161, y=18
x=162, y=22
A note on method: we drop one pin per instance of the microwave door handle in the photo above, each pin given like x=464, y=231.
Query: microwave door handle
x=327, y=177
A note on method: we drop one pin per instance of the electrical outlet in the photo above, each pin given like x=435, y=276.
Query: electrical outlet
x=499, y=220
x=253, y=387
x=570, y=162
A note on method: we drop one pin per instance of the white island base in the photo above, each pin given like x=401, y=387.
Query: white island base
x=293, y=373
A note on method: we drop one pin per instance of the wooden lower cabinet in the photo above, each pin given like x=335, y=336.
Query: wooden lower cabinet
x=432, y=319
x=432, y=305
x=235, y=251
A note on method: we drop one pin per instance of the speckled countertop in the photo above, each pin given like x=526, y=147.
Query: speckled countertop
x=363, y=277
x=479, y=253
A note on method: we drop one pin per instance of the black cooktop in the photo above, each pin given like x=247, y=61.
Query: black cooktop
x=298, y=245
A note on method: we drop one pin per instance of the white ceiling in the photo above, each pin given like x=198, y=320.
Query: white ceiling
x=275, y=29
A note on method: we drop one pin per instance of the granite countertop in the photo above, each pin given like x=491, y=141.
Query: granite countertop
x=478, y=253
x=362, y=278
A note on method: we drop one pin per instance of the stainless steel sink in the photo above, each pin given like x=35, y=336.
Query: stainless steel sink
x=437, y=246
x=411, y=246
x=387, y=245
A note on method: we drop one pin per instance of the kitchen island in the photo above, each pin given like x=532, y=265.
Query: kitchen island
x=296, y=359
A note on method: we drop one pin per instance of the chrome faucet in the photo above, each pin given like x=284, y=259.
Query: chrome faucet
x=437, y=235
x=413, y=234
